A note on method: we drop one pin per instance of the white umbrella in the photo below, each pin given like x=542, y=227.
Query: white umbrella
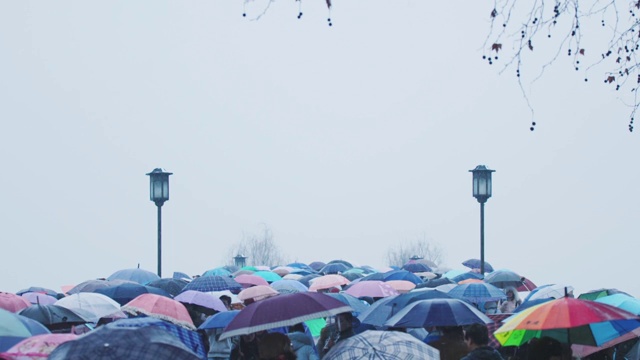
x=98, y=305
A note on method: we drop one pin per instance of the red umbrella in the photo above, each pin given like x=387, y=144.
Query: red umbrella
x=12, y=302
x=283, y=310
x=160, y=307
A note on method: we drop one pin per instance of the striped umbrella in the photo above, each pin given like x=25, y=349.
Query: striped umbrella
x=389, y=345
x=477, y=292
x=213, y=283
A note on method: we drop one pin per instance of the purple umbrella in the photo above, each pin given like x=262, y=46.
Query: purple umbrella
x=283, y=310
x=39, y=298
x=203, y=299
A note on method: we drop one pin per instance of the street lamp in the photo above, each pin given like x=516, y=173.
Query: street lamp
x=482, y=192
x=159, y=187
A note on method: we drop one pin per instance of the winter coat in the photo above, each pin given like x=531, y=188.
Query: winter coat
x=218, y=349
x=303, y=346
x=483, y=353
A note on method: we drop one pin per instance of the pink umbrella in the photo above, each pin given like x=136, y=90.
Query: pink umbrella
x=256, y=293
x=160, y=307
x=327, y=282
x=247, y=280
x=12, y=302
x=39, y=298
x=401, y=286
x=373, y=288
x=202, y=299
x=37, y=346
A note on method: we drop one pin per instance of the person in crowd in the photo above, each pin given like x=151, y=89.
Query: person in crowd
x=302, y=343
x=512, y=302
x=547, y=348
x=276, y=346
x=247, y=347
x=218, y=349
x=337, y=330
x=451, y=343
x=477, y=338
x=226, y=300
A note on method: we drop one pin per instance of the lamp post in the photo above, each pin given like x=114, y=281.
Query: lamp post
x=159, y=187
x=482, y=192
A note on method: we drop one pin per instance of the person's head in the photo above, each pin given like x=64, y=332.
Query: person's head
x=296, y=328
x=476, y=335
x=545, y=348
x=344, y=321
x=510, y=295
x=451, y=330
x=226, y=300
x=273, y=345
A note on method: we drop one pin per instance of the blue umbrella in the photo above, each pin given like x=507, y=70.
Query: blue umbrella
x=622, y=301
x=213, y=283
x=288, y=286
x=220, y=271
x=299, y=265
x=477, y=292
x=124, y=293
x=344, y=262
x=305, y=279
x=219, y=320
x=435, y=282
x=378, y=313
x=171, y=285
x=530, y=303
x=394, y=275
x=416, y=267
x=181, y=275
x=437, y=312
x=475, y=264
x=15, y=328
x=317, y=265
x=358, y=305
x=334, y=268
x=138, y=275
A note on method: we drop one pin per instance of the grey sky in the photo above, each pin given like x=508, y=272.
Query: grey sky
x=343, y=140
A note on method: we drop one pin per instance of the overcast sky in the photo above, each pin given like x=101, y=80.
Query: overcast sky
x=343, y=141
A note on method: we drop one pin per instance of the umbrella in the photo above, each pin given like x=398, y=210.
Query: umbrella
x=38, y=298
x=352, y=276
x=467, y=275
x=317, y=265
x=124, y=293
x=269, y=276
x=220, y=271
x=335, y=268
x=475, y=264
x=378, y=312
x=138, y=275
x=435, y=282
x=250, y=280
x=416, y=267
x=358, y=305
x=219, y=320
x=527, y=304
x=437, y=312
x=328, y=282
x=596, y=294
x=401, y=286
x=160, y=307
x=12, y=302
x=37, y=346
x=384, y=345
x=374, y=288
x=527, y=285
x=213, y=283
x=622, y=301
x=191, y=339
x=306, y=280
x=555, y=291
x=477, y=292
x=283, y=310
x=568, y=320
x=142, y=343
x=206, y=300
x=343, y=262
x=299, y=265
x=38, y=289
x=170, y=285
x=98, y=305
x=14, y=328
x=90, y=286
x=287, y=286
x=56, y=317
x=394, y=275
x=257, y=293
x=283, y=270
x=503, y=278
x=182, y=276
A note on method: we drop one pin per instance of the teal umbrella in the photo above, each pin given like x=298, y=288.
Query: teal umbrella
x=268, y=275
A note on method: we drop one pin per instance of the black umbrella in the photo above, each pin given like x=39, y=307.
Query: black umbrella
x=170, y=285
x=435, y=282
x=56, y=317
x=124, y=293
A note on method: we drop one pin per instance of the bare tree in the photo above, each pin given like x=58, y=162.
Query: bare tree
x=569, y=28
x=259, y=249
x=398, y=255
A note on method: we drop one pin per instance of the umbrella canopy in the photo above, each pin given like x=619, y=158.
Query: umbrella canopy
x=38, y=298
x=37, y=346
x=384, y=345
x=206, y=300
x=435, y=282
x=96, y=304
x=373, y=288
x=555, y=291
x=416, y=267
x=170, y=285
x=378, y=313
x=15, y=328
x=343, y=262
x=219, y=320
x=299, y=265
x=306, y=280
x=437, y=312
x=191, y=339
x=269, y=276
x=220, y=271
x=286, y=286
x=394, y=275
x=503, y=278
x=401, y=286
x=56, y=317
x=335, y=268
x=38, y=289
x=90, y=286
x=527, y=285
x=138, y=275
x=475, y=264
x=283, y=270
x=317, y=265
x=160, y=307
x=250, y=280
x=328, y=282
x=596, y=294
x=467, y=275
x=568, y=320
x=283, y=310
x=124, y=293
x=358, y=305
x=12, y=302
x=622, y=301
x=213, y=283
x=257, y=293
x=142, y=343
x=477, y=292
